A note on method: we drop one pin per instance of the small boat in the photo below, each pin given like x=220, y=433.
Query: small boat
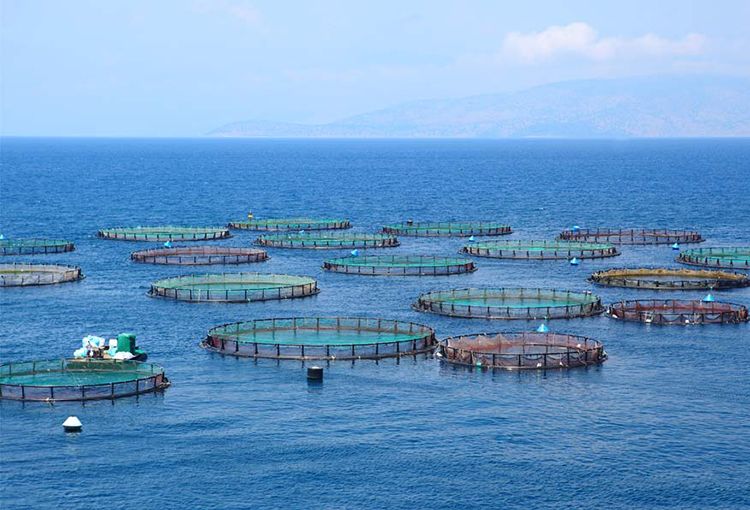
x=123, y=347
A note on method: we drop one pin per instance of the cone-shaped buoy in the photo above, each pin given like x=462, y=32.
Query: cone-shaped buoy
x=471, y=239
x=675, y=246
x=542, y=328
x=574, y=261
x=355, y=253
x=2, y=236
x=72, y=424
x=576, y=228
x=168, y=244
x=708, y=298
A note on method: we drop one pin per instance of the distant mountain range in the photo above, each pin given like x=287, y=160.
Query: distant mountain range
x=686, y=106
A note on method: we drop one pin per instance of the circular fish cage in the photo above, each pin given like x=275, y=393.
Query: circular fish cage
x=199, y=255
x=275, y=224
x=34, y=246
x=675, y=311
x=400, y=265
x=540, y=250
x=327, y=241
x=167, y=233
x=669, y=279
x=234, y=287
x=522, y=350
x=60, y=380
x=446, y=229
x=631, y=236
x=321, y=338
x=510, y=303
x=22, y=275
x=727, y=258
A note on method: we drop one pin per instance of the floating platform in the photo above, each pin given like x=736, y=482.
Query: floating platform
x=22, y=275
x=726, y=258
x=234, y=287
x=321, y=338
x=166, y=233
x=34, y=246
x=674, y=311
x=400, y=265
x=540, y=250
x=669, y=279
x=327, y=241
x=510, y=303
x=631, y=236
x=276, y=224
x=61, y=380
x=520, y=350
x=199, y=255
x=448, y=229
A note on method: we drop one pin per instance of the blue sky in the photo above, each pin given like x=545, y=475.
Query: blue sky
x=181, y=68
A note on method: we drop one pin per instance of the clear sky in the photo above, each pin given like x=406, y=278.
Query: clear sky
x=184, y=67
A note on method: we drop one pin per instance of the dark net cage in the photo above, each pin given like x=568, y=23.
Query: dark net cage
x=60, y=380
x=631, y=236
x=199, y=255
x=327, y=241
x=446, y=229
x=540, y=250
x=510, y=303
x=669, y=279
x=675, y=311
x=321, y=338
x=519, y=350
x=400, y=265
x=34, y=246
x=165, y=233
x=276, y=224
x=727, y=258
x=21, y=275
x=234, y=287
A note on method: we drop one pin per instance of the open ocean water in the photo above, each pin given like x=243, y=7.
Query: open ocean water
x=663, y=423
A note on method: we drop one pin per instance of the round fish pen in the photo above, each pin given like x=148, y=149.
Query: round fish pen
x=34, y=246
x=327, y=241
x=321, y=338
x=674, y=311
x=631, y=236
x=400, y=265
x=199, y=255
x=234, y=287
x=519, y=350
x=727, y=258
x=167, y=233
x=669, y=279
x=540, y=250
x=21, y=275
x=275, y=224
x=60, y=380
x=445, y=229
x=510, y=303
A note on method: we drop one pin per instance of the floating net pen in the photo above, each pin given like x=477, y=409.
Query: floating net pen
x=674, y=311
x=234, y=287
x=445, y=229
x=509, y=303
x=60, y=380
x=727, y=258
x=321, y=338
x=540, y=250
x=21, y=275
x=291, y=224
x=327, y=241
x=199, y=255
x=400, y=265
x=34, y=246
x=631, y=236
x=519, y=350
x=669, y=279
x=167, y=233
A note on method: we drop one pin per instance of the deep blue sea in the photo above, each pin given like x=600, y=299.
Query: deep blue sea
x=664, y=423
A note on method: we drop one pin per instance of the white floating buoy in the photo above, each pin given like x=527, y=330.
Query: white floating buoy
x=168, y=244
x=542, y=328
x=471, y=239
x=675, y=246
x=574, y=261
x=355, y=253
x=708, y=298
x=2, y=236
x=72, y=424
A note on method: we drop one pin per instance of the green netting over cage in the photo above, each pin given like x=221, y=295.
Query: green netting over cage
x=522, y=350
x=669, y=279
x=166, y=233
x=400, y=265
x=234, y=287
x=291, y=224
x=631, y=236
x=676, y=311
x=728, y=258
x=444, y=229
x=540, y=250
x=59, y=380
x=510, y=303
x=34, y=246
x=199, y=255
x=317, y=338
x=21, y=275
x=327, y=241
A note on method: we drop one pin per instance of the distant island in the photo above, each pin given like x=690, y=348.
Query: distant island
x=655, y=106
